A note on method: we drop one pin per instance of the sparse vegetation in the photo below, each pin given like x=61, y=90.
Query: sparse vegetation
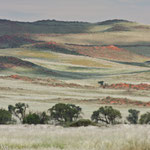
x=69, y=115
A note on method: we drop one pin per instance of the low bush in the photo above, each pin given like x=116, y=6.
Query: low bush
x=31, y=118
x=145, y=118
x=5, y=116
x=82, y=122
x=36, y=118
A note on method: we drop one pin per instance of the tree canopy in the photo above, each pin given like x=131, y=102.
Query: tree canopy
x=106, y=115
x=19, y=110
x=65, y=112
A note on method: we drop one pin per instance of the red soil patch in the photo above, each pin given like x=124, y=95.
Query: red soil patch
x=111, y=47
x=123, y=101
x=108, y=52
x=21, y=78
x=53, y=43
x=46, y=82
x=111, y=101
x=128, y=86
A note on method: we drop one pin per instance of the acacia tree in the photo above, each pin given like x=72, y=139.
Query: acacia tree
x=133, y=116
x=106, y=115
x=65, y=112
x=19, y=110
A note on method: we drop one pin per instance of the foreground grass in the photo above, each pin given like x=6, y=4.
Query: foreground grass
x=124, y=137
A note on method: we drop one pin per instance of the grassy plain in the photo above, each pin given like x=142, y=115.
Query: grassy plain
x=123, y=137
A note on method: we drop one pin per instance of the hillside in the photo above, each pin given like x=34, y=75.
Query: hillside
x=109, y=52
x=13, y=41
x=124, y=34
x=11, y=62
x=12, y=65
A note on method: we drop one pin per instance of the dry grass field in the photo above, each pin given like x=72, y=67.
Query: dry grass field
x=122, y=137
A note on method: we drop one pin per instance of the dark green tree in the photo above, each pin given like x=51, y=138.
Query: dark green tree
x=19, y=110
x=145, y=118
x=44, y=118
x=5, y=116
x=65, y=112
x=31, y=118
x=36, y=118
x=133, y=116
x=106, y=115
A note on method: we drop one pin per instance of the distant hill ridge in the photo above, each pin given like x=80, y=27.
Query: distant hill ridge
x=53, y=20
x=49, y=26
x=107, y=22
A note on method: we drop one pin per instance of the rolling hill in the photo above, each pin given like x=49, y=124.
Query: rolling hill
x=13, y=41
x=15, y=66
x=120, y=33
x=48, y=61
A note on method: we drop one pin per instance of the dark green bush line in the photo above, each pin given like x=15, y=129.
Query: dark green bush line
x=69, y=115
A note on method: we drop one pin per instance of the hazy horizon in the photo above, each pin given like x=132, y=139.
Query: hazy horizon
x=79, y=10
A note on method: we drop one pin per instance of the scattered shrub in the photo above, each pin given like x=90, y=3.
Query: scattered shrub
x=35, y=118
x=5, y=116
x=145, y=118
